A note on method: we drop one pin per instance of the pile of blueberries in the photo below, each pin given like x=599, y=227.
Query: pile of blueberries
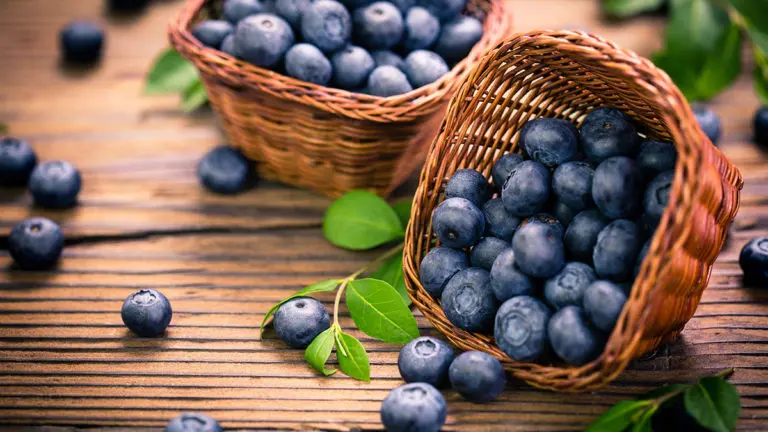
x=381, y=48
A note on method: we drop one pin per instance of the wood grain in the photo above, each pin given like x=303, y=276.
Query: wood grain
x=66, y=361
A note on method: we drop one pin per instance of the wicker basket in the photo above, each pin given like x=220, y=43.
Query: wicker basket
x=320, y=138
x=566, y=74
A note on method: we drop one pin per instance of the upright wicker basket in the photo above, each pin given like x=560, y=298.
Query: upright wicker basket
x=565, y=75
x=320, y=138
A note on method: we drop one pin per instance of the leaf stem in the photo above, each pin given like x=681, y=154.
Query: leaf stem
x=663, y=398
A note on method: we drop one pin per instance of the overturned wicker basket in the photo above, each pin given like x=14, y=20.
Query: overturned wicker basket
x=320, y=138
x=565, y=75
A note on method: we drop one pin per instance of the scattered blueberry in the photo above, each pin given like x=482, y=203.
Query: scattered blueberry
x=468, y=301
x=563, y=213
x=709, y=122
x=760, y=126
x=445, y=10
x=212, y=33
x=521, y=328
x=458, y=223
x=547, y=220
x=526, y=191
x=228, y=46
x=388, y=58
x=17, y=160
x=378, y=25
x=263, y=39
x=327, y=25
x=503, y=167
x=572, y=338
x=193, y=422
x=237, y=10
x=298, y=321
x=81, y=42
x=35, y=243
x=146, y=312
x=291, y=10
x=484, y=253
x=439, y=266
x=616, y=251
x=305, y=62
x=421, y=29
x=477, y=376
x=753, y=260
x=617, y=187
x=413, y=407
x=424, y=67
x=581, y=236
x=657, y=196
x=351, y=67
x=539, y=250
x=567, y=287
x=507, y=280
x=224, y=170
x=641, y=256
x=386, y=81
x=426, y=359
x=55, y=184
x=498, y=222
x=549, y=141
x=603, y=302
x=468, y=184
x=655, y=157
x=458, y=37
x=608, y=132
x=572, y=184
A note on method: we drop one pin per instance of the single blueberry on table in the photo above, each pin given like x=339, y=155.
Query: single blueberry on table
x=193, y=422
x=709, y=122
x=212, y=33
x=468, y=184
x=414, y=407
x=327, y=25
x=147, y=312
x=574, y=339
x=386, y=81
x=458, y=37
x=641, y=256
x=444, y=10
x=351, y=67
x=263, y=39
x=539, y=250
x=306, y=62
x=477, y=376
x=298, y=321
x=484, y=253
x=563, y=213
x=17, y=160
x=424, y=67
x=617, y=187
x=549, y=141
x=468, y=300
x=568, y=287
x=581, y=236
x=526, y=191
x=603, y=302
x=547, y=220
x=760, y=126
x=498, y=222
x=503, y=167
x=656, y=157
x=421, y=29
x=438, y=266
x=388, y=58
x=55, y=184
x=616, y=250
x=378, y=25
x=657, y=196
x=35, y=243
x=426, y=359
x=458, y=223
x=228, y=46
x=224, y=170
x=753, y=260
x=572, y=184
x=81, y=42
x=237, y=10
x=608, y=132
x=521, y=328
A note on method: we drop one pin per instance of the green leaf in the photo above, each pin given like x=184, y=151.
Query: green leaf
x=380, y=311
x=194, y=97
x=171, y=73
x=722, y=66
x=391, y=272
x=324, y=286
x=319, y=350
x=361, y=220
x=403, y=210
x=754, y=13
x=628, y=8
x=714, y=403
x=643, y=424
x=662, y=391
x=619, y=416
x=353, y=359
x=761, y=77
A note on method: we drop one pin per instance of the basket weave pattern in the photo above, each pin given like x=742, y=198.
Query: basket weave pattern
x=320, y=138
x=565, y=75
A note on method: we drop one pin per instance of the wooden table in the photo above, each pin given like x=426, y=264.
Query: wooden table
x=143, y=221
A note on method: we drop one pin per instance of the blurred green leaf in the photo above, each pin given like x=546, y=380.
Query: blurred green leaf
x=761, y=75
x=403, y=210
x=194, y=97
x=628, y=8
x=171, y=73
x=754, y=13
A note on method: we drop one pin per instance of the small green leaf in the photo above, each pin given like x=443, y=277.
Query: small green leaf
x=391, y=272
x=714, y=403
x=379, y=311
x=353, y=359
x=643, y=423
x=628, y=8
x=403, y=210
x=324, y=286
x=319, y=350
x=755, y=16
x=722, y=66
x=619, y=416
x=194, y=97
x=761, y=75
x=171, y=73
x=361, y=220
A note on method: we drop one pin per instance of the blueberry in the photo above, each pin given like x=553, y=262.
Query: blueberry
x=655, y=157
x=760, y=126
x=550, y=141
x=439, y=266
x=484, y=253
x=291, y=10
x=378, y=25
x=657, y=196
x=458, y=37
x=388, y=81
x=212, y=33
x=445, y=10
x=224, y=170
x=388, y=58
x=572, y=184
x=498, y=222
x=709, y=122
x=228, y=46
x=507, y=280
x=581, y=236
x=563, y=213
x=81, y=42
x=468, y=301
x=527, y=189
x=298, y=321
x=547, y=220
x=193, y=422
x=603, y=302
x=477, y=376
x=753, y=260
x=503, y=168
x=35, y=243
x=17, y=160
x=568, y=286
x=237, y=10
x=615, y=254
x=424, y=67
x=263, y=39
x=617, y=187
x=351, y=67
x=468, y=184
x=425, y=359
x=458, y=223
x=521, y=328
x=146, y=312
x=307, y=63
x=414, y=407
x=572, y=338
x=607, y=132
x=641, y=256
x=421, y=29
x=55, y=184
x=539, y=250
